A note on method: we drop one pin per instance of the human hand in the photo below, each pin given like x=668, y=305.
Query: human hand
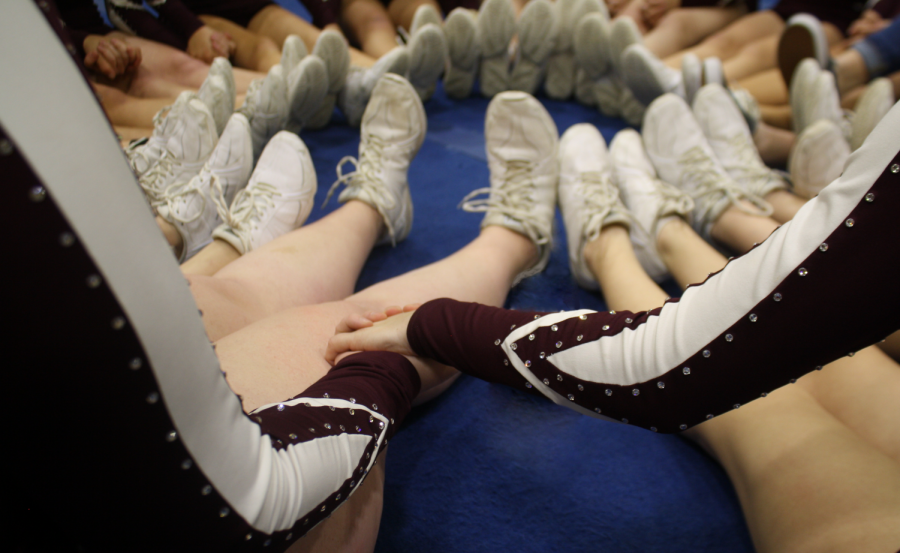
x=615, y=6
x=870, y=22
x=374, y=331
x=207, y=44
x=654, y=10
x=110, y=56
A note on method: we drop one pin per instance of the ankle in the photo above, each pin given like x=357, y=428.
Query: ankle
x=670, y=234
x=521, y=250
x=597, y=250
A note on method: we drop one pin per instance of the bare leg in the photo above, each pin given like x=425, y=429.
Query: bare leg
x=127, y=134
x=684, y=27
x=370, y=26
x=784, y=205
x=740, y=231
x=314, y=264
x=777, y=116
x=624, y=283
x=891, y=346
x=277, y=23
x=210, y=259
x=130, y=111
x=402, y=11
x=633, y=10
x=753, y=58
x=805, y=481
x=774, y=144
x=726, y=43
x=255, y=52
x=767, y=87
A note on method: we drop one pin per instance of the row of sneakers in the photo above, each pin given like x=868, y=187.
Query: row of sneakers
x=690, y=163
x=826, y=133
x=201, y=183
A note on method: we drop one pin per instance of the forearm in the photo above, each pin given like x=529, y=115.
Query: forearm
x=785, y=308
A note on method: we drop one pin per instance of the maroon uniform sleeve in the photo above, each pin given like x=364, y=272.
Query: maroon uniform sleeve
x=888, y=9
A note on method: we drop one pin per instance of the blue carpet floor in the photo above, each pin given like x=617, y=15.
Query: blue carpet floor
x=486, y=468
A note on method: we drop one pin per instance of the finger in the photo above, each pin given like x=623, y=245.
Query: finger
x=351, y=323
x=411, y=307
x=392, y=310
x=376, y=316
x=337, y=344
x=91, y=58
x=105, y=67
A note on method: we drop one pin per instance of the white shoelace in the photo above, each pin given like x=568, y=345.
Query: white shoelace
x=177, y=191
x=671, y=200
x=513, y=198
x=601, y=196
x=707, y=184
x=364, y=178
x=749, y=167
x=152, y=181
x=248, y=207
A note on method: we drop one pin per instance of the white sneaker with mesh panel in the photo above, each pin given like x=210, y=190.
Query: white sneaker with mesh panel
x=496, y=26
x=651, y=202
x=537, y=29
x=682, y=157
x=588, y=199
x=729, y=136
x=393, y=129
x=354, y=96
x=144, y=154
x=277, y=200
x=463, y=51
x=193, y=207
x=266, y=107
x=521, y=142
x=186, y=150
x=218, y=92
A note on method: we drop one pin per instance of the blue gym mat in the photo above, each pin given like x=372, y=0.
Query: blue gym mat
x=487, y=468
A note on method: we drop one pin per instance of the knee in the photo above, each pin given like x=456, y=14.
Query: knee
x=675, y=21
x=720, y=44
x=265, y=46
x=180, y=63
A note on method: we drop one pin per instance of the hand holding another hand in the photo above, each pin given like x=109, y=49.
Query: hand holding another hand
x=374, y=331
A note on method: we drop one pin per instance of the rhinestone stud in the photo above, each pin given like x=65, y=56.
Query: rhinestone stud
x=660, y=385
x=753, y=317
x=546, y=382
x=579, y=337
x=528, y=363
x=559, y=377
x=171, y=436
x=559, y=344
x=635, y=392
x=608, y=392
x=895, y=168
x=870, y=197
x=777, y=296
x=224, y=512
x=497, y=342
x=37, y=193
x=580, y=388
x=686, y=370
x=554, y=328
x=571, y=397
x=849, y=222
x=583, y=317
x=682, y=427
x=706, y=353
x=531, y=337
x=729, y=338
x=823, y=247
x=513, y=346
x=206, y=490
x=135, y=364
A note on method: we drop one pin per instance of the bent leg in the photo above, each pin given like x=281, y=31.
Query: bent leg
x=254, y=52
x=130, y=111
x=684, y=27
x=726, y=43
x=370, y=26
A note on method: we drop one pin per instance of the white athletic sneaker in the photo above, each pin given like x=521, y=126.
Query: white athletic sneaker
x=630, y=109
x=647, y=76
x=496, y=25
x=463, y=50
x=691, y=76
x=591, y=45
x=354, y=96
x=588, y=199
x=427, y=57
x=393, y=129
x=802, y=38
x=308, y=87
x=713, y=72
x=623, y=32
x=292, y=51
x=678, y=149
x=559, y=83
x=143, y=154
x=277, y=200
x=727, y=132
x=823, y=102
x=537, y=30
x=218, y=92
x=652, y=202
x=332, y=49
x=185, y=152
x=876, y=101
x=193, y=207
x=424, y=15
x=819, y=156
x=801, y=87
x=266, y=107
x=521, y=142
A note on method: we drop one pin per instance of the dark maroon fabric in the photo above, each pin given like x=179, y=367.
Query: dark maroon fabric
x=237, y=11
x=840, y=13
x=842, y=298
x=174, y=26
x=176, y=16
x=323, y=12
x=888, y=9
x=73, y=21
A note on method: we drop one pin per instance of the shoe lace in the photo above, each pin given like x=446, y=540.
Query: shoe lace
x=748, y=167
x=707, y=183
x=600, y=197
x=177, y=191
x=670, y=200
x=513, y=198
x=365, y=178
x=248, y=207
x=153, y=180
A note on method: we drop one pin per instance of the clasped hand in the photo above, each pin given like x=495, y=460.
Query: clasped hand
x=372, y=331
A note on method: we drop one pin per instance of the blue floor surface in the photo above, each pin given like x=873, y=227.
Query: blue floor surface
x=484, y=468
